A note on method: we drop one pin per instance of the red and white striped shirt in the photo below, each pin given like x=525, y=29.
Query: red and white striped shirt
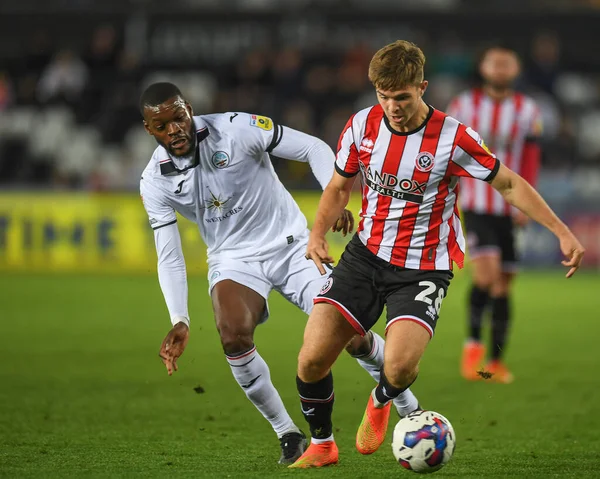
x=507, y=126
x=410, y=184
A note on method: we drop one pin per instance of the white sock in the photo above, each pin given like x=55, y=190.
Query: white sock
x=252, y=374
x=321, y=441
x=406, y=402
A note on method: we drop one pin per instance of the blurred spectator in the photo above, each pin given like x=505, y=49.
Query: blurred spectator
x=312, y=85
x=286, y=76
x=119, y=109
x=6, y=91
x=63, y=80
x=450, y=57
x=29, y=66
x=299, y=114
x=318, y=85
x=101, y=59
x=102, y=55
x=544, y=67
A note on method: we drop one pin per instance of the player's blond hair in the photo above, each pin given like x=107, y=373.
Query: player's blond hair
x=396, y=66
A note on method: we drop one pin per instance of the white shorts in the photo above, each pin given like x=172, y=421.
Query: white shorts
x=288, y=272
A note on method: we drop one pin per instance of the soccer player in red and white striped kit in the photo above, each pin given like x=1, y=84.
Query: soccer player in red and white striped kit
x=510, y=124
x=409, y=157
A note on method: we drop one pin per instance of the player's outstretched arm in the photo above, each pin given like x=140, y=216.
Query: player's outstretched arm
x=173, y=282
x=298, y=146
x=523, y=196
x=334, y=199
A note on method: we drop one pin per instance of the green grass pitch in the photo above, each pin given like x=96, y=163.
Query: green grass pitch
x=83, y=392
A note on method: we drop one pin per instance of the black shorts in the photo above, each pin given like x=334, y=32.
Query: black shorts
x=491, y=234
x=361, y=284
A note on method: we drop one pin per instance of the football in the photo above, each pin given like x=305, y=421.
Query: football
x=423, y=441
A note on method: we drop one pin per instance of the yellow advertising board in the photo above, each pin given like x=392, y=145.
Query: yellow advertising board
x=69, y=232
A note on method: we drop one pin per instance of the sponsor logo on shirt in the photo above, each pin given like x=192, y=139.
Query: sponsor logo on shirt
x=218, y=219
x=387, y=184
x=218, y=204
x=484, y=146
x=220, y=159
x=367, y=145
x=479, y=140
x=262, y=122
x=537, y=128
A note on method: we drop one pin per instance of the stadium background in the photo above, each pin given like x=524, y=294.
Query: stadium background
x=76, y=254
x=69, y=88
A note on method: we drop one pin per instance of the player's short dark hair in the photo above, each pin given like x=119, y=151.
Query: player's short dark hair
x=496, y=45
x=158, y=93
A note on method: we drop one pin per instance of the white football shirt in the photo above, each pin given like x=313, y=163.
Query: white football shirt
x=231, y=191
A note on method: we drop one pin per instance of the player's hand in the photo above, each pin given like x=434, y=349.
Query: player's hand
x=573, y=251
x=344, y=223
x=318, y=250
x=520, y=219
x=173, y=346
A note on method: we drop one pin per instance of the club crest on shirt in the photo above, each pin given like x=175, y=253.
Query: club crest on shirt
x=220, y=159
x=327, y=286
x=262, y=122
x=424, y=161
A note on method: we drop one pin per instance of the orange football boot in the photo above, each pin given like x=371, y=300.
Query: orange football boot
x=472, y=358
x=499, y=372
x=318, y=455
x=373, y=428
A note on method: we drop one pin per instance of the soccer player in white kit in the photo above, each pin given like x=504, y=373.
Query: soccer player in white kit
x=215, y=170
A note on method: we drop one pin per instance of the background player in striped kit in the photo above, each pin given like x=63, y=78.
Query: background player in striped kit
x=410, y=157
x=510, y=124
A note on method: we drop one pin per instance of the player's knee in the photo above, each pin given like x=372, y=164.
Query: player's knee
x=401, y=374
x=485, y=276
x=484, y=281
x=311, y=368
x=235, y=339
x=499, y=290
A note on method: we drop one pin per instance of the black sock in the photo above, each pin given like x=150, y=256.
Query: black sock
x=500, y=323
x=317, y=405
x=385, y=392
x=478, y=299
